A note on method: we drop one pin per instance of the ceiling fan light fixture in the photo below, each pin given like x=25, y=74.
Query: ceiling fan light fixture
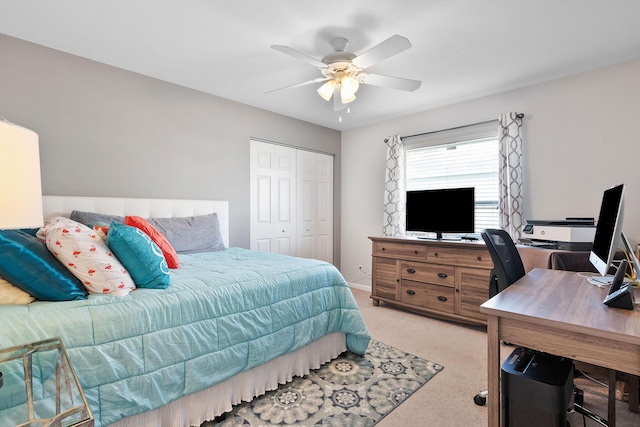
x=326, y=90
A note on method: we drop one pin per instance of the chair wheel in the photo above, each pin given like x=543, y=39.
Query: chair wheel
x=480, y=400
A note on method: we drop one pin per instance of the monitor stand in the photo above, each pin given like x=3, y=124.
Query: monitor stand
x=632, y=255
x=607, y=279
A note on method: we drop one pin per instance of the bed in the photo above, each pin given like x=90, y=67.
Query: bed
x=231, y=325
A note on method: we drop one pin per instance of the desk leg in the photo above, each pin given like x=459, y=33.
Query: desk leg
x=493, y=373
x=611, y=413
x=633, y=393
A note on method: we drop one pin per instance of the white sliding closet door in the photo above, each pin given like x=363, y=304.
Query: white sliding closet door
x=291, y=201
x=306, y=163
x=324, y=207
x=273, y=198
x=315, y=205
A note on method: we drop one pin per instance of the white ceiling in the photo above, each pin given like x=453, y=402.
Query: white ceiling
x=462, y=49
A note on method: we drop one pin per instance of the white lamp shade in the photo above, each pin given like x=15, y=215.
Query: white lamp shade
x=350, y=84
x=349, y=87
x=20, y=186
x=347, y=97
x=326, y=90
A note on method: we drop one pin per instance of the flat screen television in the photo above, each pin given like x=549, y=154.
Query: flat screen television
x=450, y=210
x=608, y=229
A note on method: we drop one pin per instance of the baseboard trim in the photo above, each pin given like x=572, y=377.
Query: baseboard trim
x=359, y=286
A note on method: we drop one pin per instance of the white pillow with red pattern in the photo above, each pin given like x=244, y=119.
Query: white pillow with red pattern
x=87, y=257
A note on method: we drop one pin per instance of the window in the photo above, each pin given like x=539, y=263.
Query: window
x=470, y=161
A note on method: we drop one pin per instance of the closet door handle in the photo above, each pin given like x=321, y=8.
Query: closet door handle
x=442, y=275
x=442, y=299
x=410, y=292
x=410, y=270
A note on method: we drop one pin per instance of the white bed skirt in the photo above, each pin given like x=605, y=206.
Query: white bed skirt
x=207, y=404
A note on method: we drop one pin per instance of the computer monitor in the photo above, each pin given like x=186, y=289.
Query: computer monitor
x=450, y=210
x=608, y=229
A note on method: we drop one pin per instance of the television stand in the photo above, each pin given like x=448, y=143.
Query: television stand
x=439, y=237
x=439, y=278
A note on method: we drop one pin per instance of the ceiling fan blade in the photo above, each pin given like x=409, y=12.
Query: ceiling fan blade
x=318, y=80
x=391, y=46
x=390, y=82
x=299, y=55
x=337, y=100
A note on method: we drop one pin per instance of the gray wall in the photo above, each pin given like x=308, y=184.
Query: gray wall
x=581, y=136
x=105, y=131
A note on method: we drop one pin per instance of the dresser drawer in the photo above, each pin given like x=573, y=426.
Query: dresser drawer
x=459, y=256
x=434, y=297
x=444, y=275
x=400, y=250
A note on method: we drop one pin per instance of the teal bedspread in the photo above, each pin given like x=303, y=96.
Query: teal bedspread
x=224, y=312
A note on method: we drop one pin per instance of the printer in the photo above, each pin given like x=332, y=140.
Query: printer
x=571, y=234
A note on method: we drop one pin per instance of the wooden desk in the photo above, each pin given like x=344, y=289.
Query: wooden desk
x=561, y=313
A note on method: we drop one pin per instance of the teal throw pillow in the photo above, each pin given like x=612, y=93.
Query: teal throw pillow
x=26, y=263
x=142, y=258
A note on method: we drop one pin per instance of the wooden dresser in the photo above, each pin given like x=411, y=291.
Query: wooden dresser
x=445, y=279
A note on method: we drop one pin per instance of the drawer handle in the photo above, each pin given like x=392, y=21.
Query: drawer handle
x=442, y=275
x=479, y=258
x=410, y=292
x=435, y=254
x=383, y=248
x=410, y=270
x=442, y=299
x=415, y=252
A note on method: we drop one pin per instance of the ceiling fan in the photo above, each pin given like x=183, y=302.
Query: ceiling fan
x=343, y=71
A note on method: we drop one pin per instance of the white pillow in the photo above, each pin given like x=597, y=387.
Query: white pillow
x=87, y=257
x=9, y=294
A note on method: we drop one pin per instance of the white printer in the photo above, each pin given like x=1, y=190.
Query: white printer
x=572, y=234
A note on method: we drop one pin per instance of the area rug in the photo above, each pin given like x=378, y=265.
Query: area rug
x=349, y=391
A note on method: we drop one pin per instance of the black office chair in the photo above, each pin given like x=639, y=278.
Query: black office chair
x=507, y=264
x=507, y=269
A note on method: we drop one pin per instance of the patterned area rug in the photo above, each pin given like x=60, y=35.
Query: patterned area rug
x=349, y=391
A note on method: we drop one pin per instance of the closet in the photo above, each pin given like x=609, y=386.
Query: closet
x=291, y=191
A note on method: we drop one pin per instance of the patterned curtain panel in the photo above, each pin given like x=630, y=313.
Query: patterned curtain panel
x=510, y=174
x=394, y=192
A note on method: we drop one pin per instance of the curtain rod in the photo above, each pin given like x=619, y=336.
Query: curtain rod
x=520, y=115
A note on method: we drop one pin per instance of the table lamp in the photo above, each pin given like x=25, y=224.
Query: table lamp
x=20, y=186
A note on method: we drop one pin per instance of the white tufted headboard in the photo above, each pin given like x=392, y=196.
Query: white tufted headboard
x=146, y=208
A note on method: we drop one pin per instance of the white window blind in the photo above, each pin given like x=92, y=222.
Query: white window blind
x=470, y=163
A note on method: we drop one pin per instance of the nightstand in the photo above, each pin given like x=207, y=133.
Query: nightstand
x=40, y=388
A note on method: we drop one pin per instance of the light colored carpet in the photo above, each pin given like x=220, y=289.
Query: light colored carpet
x=448, y=399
